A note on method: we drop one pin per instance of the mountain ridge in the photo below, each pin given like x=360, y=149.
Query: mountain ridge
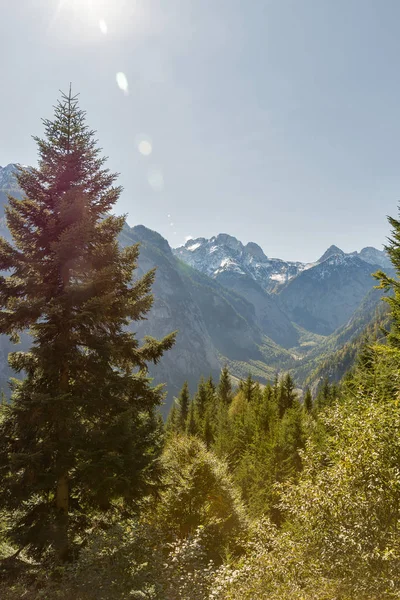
x=223, y=252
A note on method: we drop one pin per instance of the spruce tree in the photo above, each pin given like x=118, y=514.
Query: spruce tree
x=201, y=402
x=324, y=395
x=211, y=389
x=172, y=422
x=308, y=401
x=208, y=429
x=247, y=386
x=80, y=434
x=183, y=403
x=191, y=425
x=287, y=394
x=225, y=386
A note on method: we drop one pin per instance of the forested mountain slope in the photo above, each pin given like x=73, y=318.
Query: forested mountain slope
x=324, y=297
x=335, y=354
x=215, y=326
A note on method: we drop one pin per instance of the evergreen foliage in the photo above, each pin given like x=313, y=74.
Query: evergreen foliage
x=191, y=425
x=80, y=434
x=225, y=386
x=198, y=491
x=308, y=400
x=172, y=423
x=183, y=403
x=201, y=401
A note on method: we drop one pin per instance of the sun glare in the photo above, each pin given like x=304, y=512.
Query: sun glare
x=91, y=20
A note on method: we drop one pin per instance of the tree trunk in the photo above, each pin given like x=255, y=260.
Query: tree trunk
x=62, y=492
x=62, y=501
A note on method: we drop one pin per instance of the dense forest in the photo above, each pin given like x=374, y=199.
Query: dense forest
x=246, y=491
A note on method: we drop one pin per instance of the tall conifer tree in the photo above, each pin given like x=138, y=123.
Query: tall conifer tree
x=225, y=386
x=308, y=401
x=247, y=386
x=287, y=394
x=191, y=425
x=80, y=434
x=183, y=402
x=201, y=402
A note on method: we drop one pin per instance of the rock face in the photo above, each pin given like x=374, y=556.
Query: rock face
x=375, y=257
x=270, y=317
x=224, y=254
x=324, y=297
x=319, y=297
x=332, y=251
x=214, y=325
x=249, y=272
x=7, y=178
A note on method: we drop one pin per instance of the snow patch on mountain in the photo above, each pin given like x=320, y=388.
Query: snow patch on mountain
x=223, y=254
x=194, y=247
x=278, y=277
x=334, y=263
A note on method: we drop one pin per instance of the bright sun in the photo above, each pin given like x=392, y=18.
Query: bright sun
x=82, y=21
x=103, y=16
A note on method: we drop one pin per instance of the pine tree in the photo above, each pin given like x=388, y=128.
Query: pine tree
x=324, y=395
x=172, y=422
x=308, y=401
x=225, y=386
x=287, y=394
x=292, y=439
x=201, y=402
x=191, y=425
x=211, y=391
x=183, y=403
x=208, y=433
x=247, y=386
x=80, y=434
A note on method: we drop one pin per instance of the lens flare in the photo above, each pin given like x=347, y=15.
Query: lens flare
x=122, y=82
x=103, y=26
x=145, y=147
x=155, y=179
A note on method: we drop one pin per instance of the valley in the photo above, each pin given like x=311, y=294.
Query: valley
x=233, y=305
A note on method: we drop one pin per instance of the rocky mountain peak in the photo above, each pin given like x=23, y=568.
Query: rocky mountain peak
x=255, y=250
x=375, y=257
x=194, y=243
x=7, y=176
x=332, y=250
x=224, y=239
x=144, y=234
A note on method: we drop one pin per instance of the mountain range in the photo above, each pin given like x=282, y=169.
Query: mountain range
x=231, y=304
x=319, y=296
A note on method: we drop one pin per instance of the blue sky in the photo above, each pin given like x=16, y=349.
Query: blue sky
x=277, y=121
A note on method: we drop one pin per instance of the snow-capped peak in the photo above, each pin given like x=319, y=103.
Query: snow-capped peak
x=223, y=254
